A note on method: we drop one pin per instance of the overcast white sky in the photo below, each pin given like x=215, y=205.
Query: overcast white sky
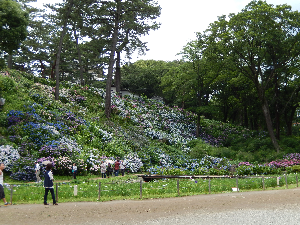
x=181, y=19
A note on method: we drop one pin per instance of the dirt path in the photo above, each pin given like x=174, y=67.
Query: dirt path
x=143, y=211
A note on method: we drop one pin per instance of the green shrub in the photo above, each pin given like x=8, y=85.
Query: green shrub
x=7, y=85
x=244, y=170
x=199, y=149
x=296, y=169
x=28, y=83
x=245, y=156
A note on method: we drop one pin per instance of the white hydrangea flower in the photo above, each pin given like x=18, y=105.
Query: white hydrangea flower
x=8, y=155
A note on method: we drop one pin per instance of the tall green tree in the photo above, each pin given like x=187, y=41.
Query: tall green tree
x=68, y=11
x=179, y=85
x=134, y=25
x=143, y=77
x=13, y=26
x=35, y=51
x=193, y=52
x=122, y=22
x=263, y=41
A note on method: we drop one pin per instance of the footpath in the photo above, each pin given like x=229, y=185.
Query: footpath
x=257, y=207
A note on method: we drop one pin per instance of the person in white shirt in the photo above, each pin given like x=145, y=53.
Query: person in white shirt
x=2, y=194
x=103, y=169
x=74, y=170
x=122, y=167
x=37, y=172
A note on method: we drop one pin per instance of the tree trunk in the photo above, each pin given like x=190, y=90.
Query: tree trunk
x=42, y=68
x=198, y=125
x=289, y=120
x=118, y=73
x=112, y=61
x=59, y=50
x=277, y=115
x=265, y=109
x=225, y=113
x=9, y=61
x=118, y=62
x=52, y=76
x=246, y=122
x=277, y=123
x=266, y=112
x=79, y=58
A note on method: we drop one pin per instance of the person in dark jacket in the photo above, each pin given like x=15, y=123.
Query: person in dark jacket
x=109, y=170
x=48, y=184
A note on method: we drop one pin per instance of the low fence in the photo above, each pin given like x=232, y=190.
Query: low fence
x=170, y=186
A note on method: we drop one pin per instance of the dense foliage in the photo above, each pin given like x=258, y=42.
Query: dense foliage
x=13, y=26
x=145, y=133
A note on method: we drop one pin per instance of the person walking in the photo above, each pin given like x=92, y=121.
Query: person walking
x=37, y=172
x=103, y=169
x=48, y=184
x=2, y=194
x=74, y=170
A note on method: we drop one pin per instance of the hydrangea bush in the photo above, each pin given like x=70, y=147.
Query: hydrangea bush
x=145, y=133
x=23, y=169
x=8, y=155
x=93, y=161
x=133, y=162
x=63, y=165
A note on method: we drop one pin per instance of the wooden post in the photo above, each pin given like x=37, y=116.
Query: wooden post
x=141, y=189
x=237, y=184
x=75, y=190
x=286, y=183
x=11, y=193
x=56, y=192
x=178, y=187
x=99, y=191
x=278, y=181
x=209, y=186
x=297, y=179
x=263, y=181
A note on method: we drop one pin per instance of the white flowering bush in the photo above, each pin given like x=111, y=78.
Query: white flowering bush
x=46, y=90
x=165, y=160
x=103, y=134
x=8, y=155
x=93, y=162
x=215, y=162
x=62, y=147
x=63, y=165
x=52, y=129
x=158, y=120
x=98, y=91
x=70, y=144
x=133, y=162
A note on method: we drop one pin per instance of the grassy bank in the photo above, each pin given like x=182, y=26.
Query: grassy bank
x=129, y=187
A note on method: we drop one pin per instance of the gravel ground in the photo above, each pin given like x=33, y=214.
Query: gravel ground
x=250, y=216
x=259, y=207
